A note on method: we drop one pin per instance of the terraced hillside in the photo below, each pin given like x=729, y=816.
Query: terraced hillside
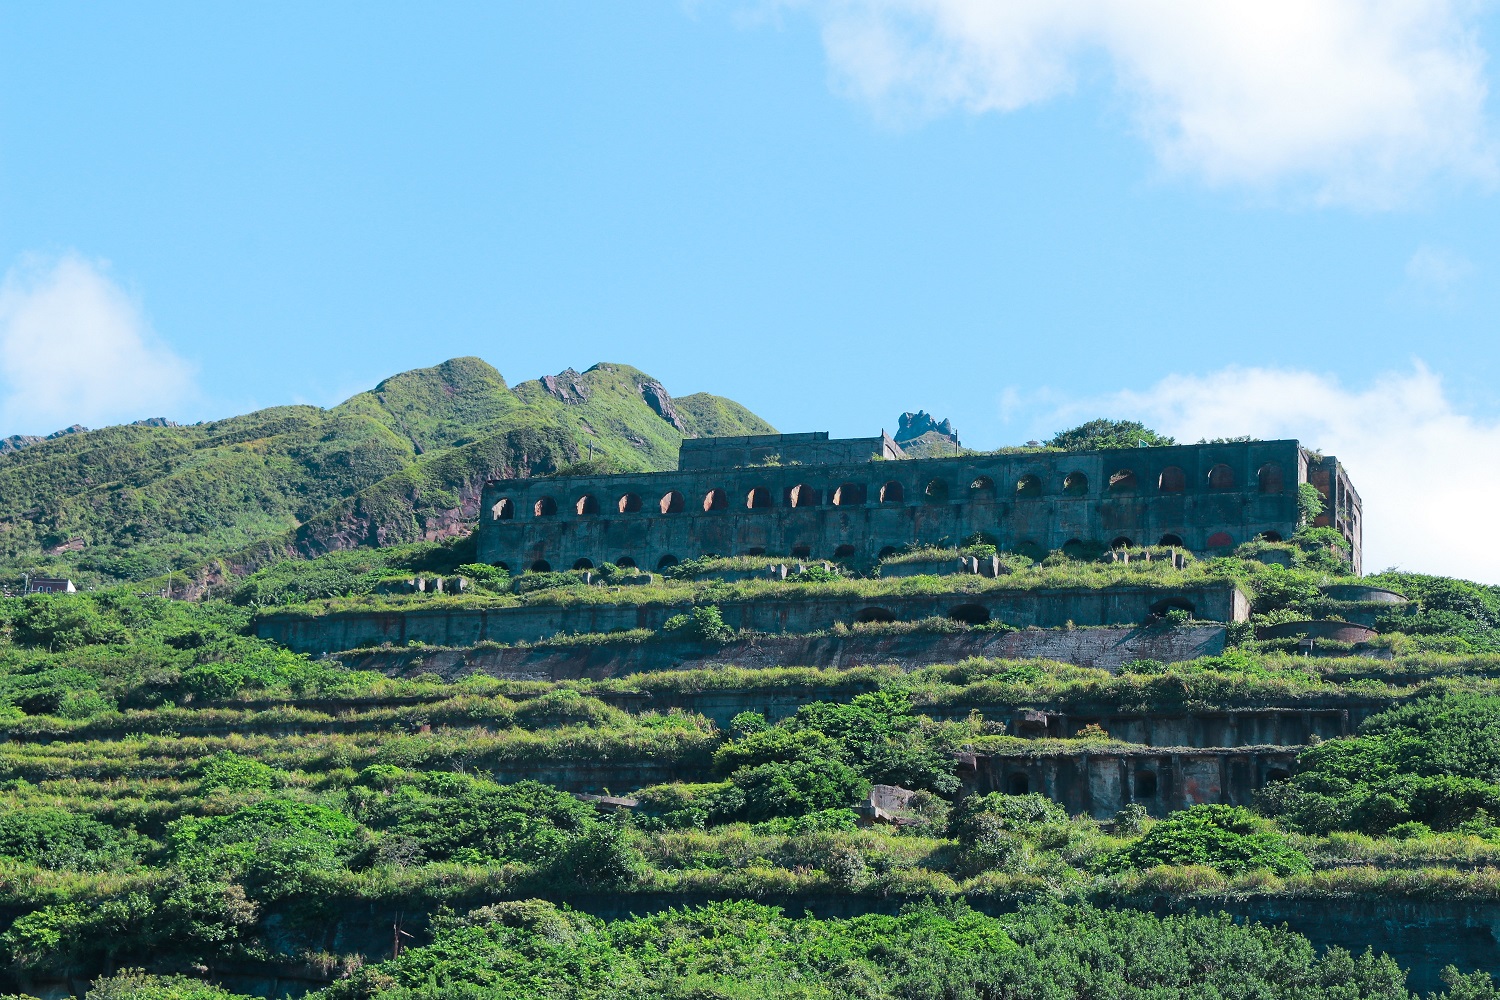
x=412, y=820
x=400, y=463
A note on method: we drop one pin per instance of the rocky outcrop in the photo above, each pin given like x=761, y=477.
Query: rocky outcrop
x=567, y=386
x=656, y=397
x=914, y=425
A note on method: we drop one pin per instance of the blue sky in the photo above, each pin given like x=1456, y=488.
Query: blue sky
x=1011, y=214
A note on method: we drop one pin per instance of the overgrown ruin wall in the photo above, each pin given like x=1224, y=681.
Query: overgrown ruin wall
x=1043, y=608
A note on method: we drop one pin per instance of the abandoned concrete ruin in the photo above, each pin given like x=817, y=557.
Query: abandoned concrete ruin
x=856, y=501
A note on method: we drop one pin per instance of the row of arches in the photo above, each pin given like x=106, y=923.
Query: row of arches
x=1172, y=479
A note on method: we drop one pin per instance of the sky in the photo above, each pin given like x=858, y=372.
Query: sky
x=1267, y=218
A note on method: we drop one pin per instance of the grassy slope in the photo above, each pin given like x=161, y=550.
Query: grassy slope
x=402, y=462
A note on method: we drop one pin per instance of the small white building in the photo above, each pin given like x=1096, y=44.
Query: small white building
x=49, y=585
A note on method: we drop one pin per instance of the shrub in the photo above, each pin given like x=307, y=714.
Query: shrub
x=1229, y=839
x=57, y=839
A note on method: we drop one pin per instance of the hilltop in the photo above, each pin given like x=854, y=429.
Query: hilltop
x=403, y=462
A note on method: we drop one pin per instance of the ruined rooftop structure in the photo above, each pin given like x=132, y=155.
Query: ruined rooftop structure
x=858, y=500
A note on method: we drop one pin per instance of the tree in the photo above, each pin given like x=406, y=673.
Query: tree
x=1102, y=434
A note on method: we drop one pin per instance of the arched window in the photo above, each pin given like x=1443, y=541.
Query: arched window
x=544, y=507
x=1270, y=536
x=1074, y=548
x=503, y=565
x=1075, y=484
x=875, y=615
x=892, y=493
x=936, y=491
x=849, y=494
x=586, y=505
x=715, y=499
x=844, y=552
x=982, y=488
x=1173, y=480
x=1029, y=486
x=1172, y=540
x=625, y=562
x=1017, y=784
x=1145, y=784
x=672, y=503
x=1122, y=543
x=1278, y=774
x=503, y=510
x=758, y=498
x=583, y=564
x=1220, y=540
x=1122, y=481
x=1269, y=478
x=1173, y=604
x=801, y=495
x=629, y=504
x=970, y=614
x=1221, y=477
x=665, y=562
x=801, y=552
x=541, y=566
x=887, y=552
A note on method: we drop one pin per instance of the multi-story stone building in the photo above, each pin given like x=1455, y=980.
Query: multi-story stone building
x=859, y=499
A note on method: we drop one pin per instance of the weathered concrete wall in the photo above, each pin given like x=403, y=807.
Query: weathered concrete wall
x=1130, y=605
x=1106, y=648
x=856, y=511
x=1100, y=784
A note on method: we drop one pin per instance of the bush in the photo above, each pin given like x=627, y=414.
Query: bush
x=57, y=839
x=1229, y=839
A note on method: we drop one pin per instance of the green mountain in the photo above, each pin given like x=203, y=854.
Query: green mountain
x=403, y=462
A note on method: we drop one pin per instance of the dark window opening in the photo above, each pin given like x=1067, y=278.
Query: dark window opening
x=1074, y=548
x=875, y=615
x=758, y=498
x=801, y=495
x=672, y=503
x=983, y=485
x=1172, y=480
x=970, y=614
x=1145, y=784
x=629, y=504
x=1122, y=543
x=716, y=500
x=503, y=565
x=801, y=551
x=666, y=562
x=1029, y=486
x=1173, y=604
x=756, y=551
x=1221, y=477
x=1122, y=481
x=844, y=552
x=1269, y=478
x=892, y=493
x=583, y=564
x=1075, y=484
x=1270, y=536
x=848, y=495
x=586, y=505
x=541, y=566
x=887, y=552
x=936, y=491
x=625, y=562
x=1017, y=784
x=1172, y=540
x=1278, y=774
x=545, y=507
x=503, y=510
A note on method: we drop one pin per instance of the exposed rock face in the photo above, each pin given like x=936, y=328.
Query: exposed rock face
x=18, y=441
x=566, y=385
x=656, y=397
x=914, y=425
x=155, y=422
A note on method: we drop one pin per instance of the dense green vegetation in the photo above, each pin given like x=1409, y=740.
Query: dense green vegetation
x=399, y=463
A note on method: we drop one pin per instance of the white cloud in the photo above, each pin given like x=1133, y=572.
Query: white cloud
x=1424, y=471
x=1436, y=269
x=1355, y=101
x=74, y=348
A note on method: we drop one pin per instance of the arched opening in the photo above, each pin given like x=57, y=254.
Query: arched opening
x=1220, y=540
x=844, y=552
x=1278, y=774
x=1175, y=540
x=887, y=552
x=1029, y=486
x=716, y=499
x=1145, y=784
x=672, y=503
x=583, y=564
x=1270, y=536
x=1172, y=480
x=970, y=614
x=875, y=615
x=758, y=498
x=541, y=566
x=503, y=510
x=1017, y=784
x=503, y=565
x=1031, y=550
x=1074, y=548
x=892, y=493
x=849, y=494
x=1075, y=484
x=755, y=551
x=936, y=491
x=1122, y=543
x=544, y=507
x=801, y=552
x=628, y=504
x=625, y=562
x=801, y=495
x=666, y=562
x=1269, y=478
x=1122, y=481
x=982, y=488
x=1166, y=604
x=586, y=505
x=1221, y=477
